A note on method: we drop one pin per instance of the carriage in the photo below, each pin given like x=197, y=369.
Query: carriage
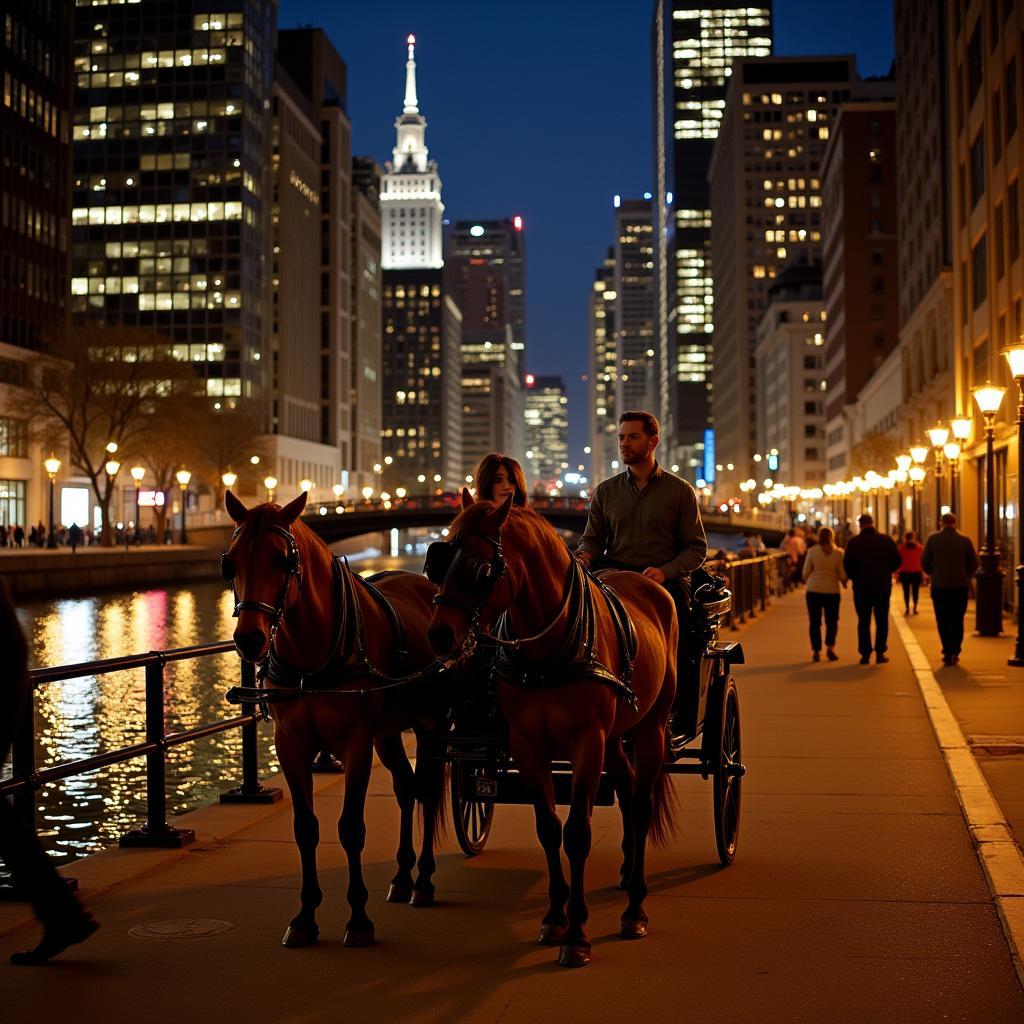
x=705, y=740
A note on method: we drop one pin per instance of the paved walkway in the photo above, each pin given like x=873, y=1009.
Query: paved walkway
x=856, y=894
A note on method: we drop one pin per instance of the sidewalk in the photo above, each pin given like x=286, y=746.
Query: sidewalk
x=856, y=895
x=987, y=697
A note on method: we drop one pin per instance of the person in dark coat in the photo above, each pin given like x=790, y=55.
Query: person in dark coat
x=870, y=560
x=74, y=536
x=950, y=559
x=63, y=918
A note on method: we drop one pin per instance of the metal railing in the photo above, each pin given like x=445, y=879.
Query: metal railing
x=156, y=831
x=753, y=582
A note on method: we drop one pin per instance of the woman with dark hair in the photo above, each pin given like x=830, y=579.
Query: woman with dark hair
x=498, y=476
x=910, y=571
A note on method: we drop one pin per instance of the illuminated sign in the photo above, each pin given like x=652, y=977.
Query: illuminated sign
x=476, y=230
x=708, y=471
x=304, y=190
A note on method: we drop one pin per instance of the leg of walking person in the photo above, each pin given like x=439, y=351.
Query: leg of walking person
x=905, y=582
x=831, y=602
x=956, y=624
x=942, y=599
x=815, y=605
x=915, y=589
x=863, y=603
x=881, y=609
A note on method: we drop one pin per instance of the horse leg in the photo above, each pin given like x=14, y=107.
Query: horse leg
x=586, y=776
x=358, y=758
x=296, y=763
x=649, y=747
x=392, y=755
x=536, y=772
x=623, y=779
x=430, y=790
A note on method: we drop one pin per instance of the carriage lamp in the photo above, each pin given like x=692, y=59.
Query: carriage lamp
x=229, y=479
x=270, y=482
x=1014, y=355
x=52, y=466
x=988, y=397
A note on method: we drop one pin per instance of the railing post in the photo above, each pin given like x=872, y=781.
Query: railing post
x=250, y=791
x=156, y=831
x=763, y=574
x=23, y=761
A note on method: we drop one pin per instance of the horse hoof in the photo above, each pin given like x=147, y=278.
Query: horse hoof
x=632, y=928
x=551, y=934
x=357, y=938
x=574, y=956
x=422, y=897
x=298, y=935
x=399, y=893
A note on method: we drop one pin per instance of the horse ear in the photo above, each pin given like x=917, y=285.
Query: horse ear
x=234, y=507
x=467, y=498
x=294, y=508
x=502, y=512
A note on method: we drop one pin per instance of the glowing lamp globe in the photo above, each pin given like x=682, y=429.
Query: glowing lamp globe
x=988, y=398
x=229, y=479
x=903, y=462
x=916, y=473
x=52, y=465
x=183, y=476
x=112, y=467
x=951, y=450
x=961, y=427
x=138, y=472
x=919, y=453
x=938, y=435
x=1014, y=355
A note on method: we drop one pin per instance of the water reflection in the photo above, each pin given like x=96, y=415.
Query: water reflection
x=92, y=715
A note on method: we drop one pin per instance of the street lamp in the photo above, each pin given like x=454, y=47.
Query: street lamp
x=938, y=435
x=917, y=475
x=52, y=465
x=988, y=606
x=951, y=449
x=111, y=468
x=1015, y=357
x=229, y=479
x=270, y=482
x=307, y=485
x=183, y=476
x=138, y=472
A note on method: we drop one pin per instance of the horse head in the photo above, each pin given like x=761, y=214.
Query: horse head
x=264, y=566
x=472, y=573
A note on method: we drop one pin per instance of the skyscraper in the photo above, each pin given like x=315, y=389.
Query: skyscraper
x=693, y=50
x=766, y=213
x=485, y=271
x=634, y=319
x=172, y=189
x=421, y=360
x=547, y=431
x=602, y=370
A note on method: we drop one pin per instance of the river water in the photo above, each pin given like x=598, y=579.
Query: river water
x=94, y=714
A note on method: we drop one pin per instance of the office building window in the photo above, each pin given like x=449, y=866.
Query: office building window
x=975, y=64
x=12, y=502
x=1013, y=219
x=997, y=135
x=13, y=438
x=977, y=168
x=1000, y=245
x=1011, y=99
x=979, y=272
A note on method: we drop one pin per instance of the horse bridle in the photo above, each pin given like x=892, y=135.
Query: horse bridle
x=293, y=570
x=441, y=559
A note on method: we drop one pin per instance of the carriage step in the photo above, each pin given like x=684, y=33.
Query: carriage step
x=509, y=788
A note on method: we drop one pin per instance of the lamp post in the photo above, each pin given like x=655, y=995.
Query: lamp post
x=938, y=435
x=138, y=472
x=111, y=468
x=52, y=465
x=989, y=610
x=951, y=449
x=229, y=479
x=917, y=475
x=270, y=482
x=1015, y=357
x=307, y=485
x=903, y=462
x=183, y=476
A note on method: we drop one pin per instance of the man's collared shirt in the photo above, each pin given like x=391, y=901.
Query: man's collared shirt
x=657, y=526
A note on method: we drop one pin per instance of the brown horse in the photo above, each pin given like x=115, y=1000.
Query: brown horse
x=326, y=644
x=572, y=688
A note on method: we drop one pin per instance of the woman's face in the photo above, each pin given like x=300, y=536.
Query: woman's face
x=503, y=486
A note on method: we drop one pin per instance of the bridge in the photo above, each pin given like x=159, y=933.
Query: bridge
x=341, y=522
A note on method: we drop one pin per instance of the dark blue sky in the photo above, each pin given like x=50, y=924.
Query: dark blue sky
x=542, y=108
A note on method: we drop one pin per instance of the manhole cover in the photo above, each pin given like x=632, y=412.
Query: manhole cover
x=996, y=746
x=181, y=928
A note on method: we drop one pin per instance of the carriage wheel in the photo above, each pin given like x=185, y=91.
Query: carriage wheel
x=727, y=774
x=473, y=814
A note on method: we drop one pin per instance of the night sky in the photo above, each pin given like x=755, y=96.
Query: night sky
x=543, y=109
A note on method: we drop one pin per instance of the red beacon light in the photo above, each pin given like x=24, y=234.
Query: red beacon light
x=517, y=222
x=530, y=380
x=411, y=40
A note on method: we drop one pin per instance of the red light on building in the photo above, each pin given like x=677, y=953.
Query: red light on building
x=530, y=380
x=517, y=222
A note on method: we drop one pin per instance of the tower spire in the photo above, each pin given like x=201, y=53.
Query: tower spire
x=411, y=103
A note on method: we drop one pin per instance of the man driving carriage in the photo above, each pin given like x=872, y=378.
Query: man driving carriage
x=645, y=519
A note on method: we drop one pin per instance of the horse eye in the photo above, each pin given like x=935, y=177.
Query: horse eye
x=227, y=570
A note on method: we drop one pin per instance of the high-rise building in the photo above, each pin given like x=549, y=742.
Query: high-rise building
x=547, y=431
x=861, y=279
x=693, y=48
x=485, y=270
x=421, y=362
x=634, y=319
x=172, y=186
x=765, y=213
x=790, y=380
x=602, y=372
x=367, y=323
x=35, y=213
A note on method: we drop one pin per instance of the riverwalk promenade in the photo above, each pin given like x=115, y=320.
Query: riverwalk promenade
x=877, y=879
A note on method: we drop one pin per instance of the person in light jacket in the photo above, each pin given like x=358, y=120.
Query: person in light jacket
x=824, y=574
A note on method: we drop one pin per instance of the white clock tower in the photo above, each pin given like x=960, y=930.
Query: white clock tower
x=410, y=199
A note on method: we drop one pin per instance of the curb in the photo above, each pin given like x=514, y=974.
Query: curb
x=1000, y=857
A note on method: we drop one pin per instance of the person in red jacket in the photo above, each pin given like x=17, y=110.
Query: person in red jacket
x=910, y=571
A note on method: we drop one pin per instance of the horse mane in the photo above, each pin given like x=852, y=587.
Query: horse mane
x=530, y=528
x=260, y=517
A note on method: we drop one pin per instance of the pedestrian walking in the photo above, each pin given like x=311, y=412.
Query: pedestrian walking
x=74, y=536
x=871, y=559
x=910, y=571
x=824, y=574
x=795, y=547
x=62, y=916
x=950, y=560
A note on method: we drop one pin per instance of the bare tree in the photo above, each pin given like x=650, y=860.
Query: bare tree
x=225, y=439
x=101, y=384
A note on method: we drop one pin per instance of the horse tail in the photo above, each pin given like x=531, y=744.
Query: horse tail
x=664, y=807
x=441, y=804
x=433, y=784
